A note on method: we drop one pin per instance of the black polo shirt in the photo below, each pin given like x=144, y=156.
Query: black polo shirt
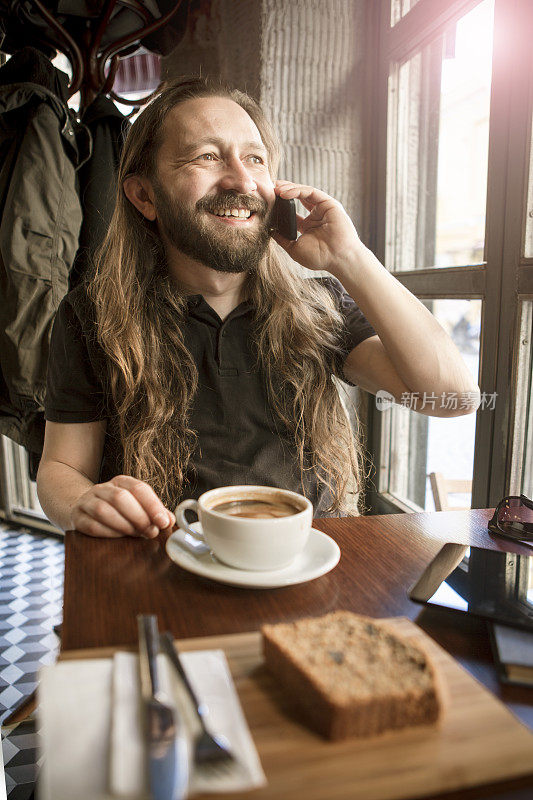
x=240, y=440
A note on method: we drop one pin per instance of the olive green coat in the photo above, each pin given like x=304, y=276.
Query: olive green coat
x=41, y=147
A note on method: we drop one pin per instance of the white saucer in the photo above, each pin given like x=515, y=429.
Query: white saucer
x=319, y=556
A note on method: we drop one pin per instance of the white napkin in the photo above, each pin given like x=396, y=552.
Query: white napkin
x=91, y=727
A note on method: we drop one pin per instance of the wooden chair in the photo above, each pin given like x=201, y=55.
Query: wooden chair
x=442, y=487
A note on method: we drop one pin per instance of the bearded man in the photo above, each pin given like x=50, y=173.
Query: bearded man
x=198, y=355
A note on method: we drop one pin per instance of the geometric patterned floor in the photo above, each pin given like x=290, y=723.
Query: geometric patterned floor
x=31, y=599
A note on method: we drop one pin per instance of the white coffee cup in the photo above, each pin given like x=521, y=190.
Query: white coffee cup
x=250, y=542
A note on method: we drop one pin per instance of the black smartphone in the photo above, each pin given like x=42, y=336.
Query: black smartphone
x=492, y=584
x=284, y=218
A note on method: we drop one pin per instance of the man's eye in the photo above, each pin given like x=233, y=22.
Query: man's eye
x=255, y=159
x=206, y=157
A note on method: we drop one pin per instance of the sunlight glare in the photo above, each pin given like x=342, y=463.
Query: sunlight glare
x=473, y=49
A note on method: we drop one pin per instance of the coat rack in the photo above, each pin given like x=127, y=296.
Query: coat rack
x=89, y=59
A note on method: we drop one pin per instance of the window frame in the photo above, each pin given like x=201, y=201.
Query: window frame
x=505, y=278
x=18, y=497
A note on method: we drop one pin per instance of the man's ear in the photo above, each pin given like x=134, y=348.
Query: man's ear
x=140, y=193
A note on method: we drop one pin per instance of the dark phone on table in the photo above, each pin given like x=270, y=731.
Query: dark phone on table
x=284, y=218
x=492, y=584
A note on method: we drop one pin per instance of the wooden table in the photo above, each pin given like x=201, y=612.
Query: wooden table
x=109, y=582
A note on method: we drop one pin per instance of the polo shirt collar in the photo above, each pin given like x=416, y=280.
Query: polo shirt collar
x=194, y=300
x=198, y=303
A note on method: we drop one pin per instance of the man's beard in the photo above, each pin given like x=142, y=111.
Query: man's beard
x=224, y=250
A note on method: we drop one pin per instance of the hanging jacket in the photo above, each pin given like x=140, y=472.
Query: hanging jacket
x=41, y=147
x=98, y=179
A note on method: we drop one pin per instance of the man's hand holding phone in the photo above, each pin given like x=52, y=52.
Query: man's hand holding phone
x=328, y=239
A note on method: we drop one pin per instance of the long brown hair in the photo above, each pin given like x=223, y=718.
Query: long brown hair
x=152, y=376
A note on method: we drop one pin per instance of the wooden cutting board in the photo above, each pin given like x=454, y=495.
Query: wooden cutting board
x=479, y=740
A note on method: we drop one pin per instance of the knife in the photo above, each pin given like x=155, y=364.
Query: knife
x=166, y=743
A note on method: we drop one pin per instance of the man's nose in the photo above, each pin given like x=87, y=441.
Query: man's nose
x=237, y=177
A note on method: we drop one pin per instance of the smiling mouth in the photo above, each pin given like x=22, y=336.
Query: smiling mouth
x=235, y=213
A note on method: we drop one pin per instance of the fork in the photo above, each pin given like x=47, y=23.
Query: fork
x=207, y=748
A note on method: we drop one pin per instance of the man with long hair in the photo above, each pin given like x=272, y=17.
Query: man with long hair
x=198, y=354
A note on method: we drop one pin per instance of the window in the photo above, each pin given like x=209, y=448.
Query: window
x=399, y=9
x=416, y=445
x=528, y=244
x=454, y=223
x=19, y=501
x=522, y=465
x=438, y=120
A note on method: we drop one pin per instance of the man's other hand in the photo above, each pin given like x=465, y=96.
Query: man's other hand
x=123, y=506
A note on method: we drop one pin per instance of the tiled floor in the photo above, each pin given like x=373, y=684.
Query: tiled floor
x=31, y=594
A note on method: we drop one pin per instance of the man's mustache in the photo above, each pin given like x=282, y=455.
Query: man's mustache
x=216, y=204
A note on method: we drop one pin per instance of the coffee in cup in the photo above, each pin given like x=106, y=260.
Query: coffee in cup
x=256, y=509
x=250, y=527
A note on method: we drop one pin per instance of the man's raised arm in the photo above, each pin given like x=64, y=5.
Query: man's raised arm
x=412, y=354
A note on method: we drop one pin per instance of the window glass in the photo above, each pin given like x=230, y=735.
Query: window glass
x=137, y=76
x=399, y=8
x=528, y=245
x=21, y=491
x=522, y=461
x=438, y=119
x=417, y=445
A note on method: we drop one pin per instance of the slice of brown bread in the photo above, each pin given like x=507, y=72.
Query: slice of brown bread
x=349, y=676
